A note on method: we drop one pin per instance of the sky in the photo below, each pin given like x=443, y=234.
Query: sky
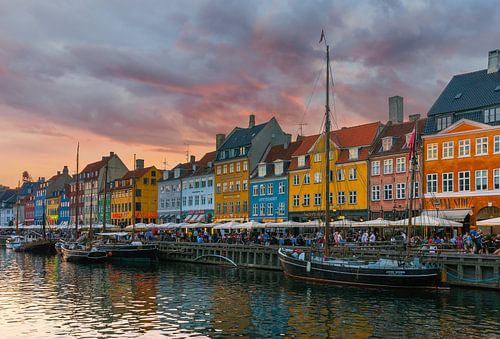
x=161, y=78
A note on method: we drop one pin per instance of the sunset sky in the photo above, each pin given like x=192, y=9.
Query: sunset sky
x=151, y=77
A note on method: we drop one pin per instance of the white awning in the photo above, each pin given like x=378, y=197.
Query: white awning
x=454, y=214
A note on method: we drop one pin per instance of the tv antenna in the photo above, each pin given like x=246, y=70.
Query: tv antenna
x=301, y=125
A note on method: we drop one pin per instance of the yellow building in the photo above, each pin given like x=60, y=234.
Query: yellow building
x=52, y=205
x=237, y=156
x=349, y=151
x=146, y=196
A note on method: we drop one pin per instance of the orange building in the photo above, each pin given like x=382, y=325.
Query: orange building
x=462, y=172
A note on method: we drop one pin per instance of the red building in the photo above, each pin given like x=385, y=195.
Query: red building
x=29, y=210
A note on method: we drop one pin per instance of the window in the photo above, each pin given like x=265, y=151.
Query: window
x=190, y=201
x=138, y=192
x=340, y=175
x=353, y=198
x=481, y=180
x=447, y=150
x=237, y=186
x=447, y=182
x=255, y=190
x=262, y=170
x=388, y=166
x=496, y=143
x=245, y=206
x=388, y=192
x=353, y=174
x=262, y=209
x=138, y=206
x=432, y=152
x=270, y=209
x=317, y=177
x=245, y=185
x=209, y=199
x=278, y=168
x=281, y=208
x=270, y=189
x=231, y=187
x=443, y=122
x=386, y=144
x=306, y=200
x=296, y=180
x=231, y=168
x=376, y=168
x=492, y=115
x=464, y=148
x=237, y=207
x=245, y=166
x=432, y=183
x=400, y=165
x=464, y=181
x=281, y=188
x=210, y=182
x=255, y=209
x=218, y=207
x=224, y=169
x=295, y=200
x=203, y=199
x=482, y=146
x=376, y=193
x=400, y=191
x=217, y=188
x=353, y=153
x=317, y=199
x=262, y=189
x=224, y=187
x=307, y=179
x=317, y=157
x=496, y=178
x=302, y=161
x=341, y=198
x=196, y=200
x=238, y=166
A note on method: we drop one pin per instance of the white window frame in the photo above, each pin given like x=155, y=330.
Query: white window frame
x=306, y=200
x=317, y=157
x=307, y=179
x=432, y=182
x=353, y=197
x=341, y=198
x=376, y=165
x=296, y=200
x=496, y=179
x=447, y=182
x=463, y=179
x=481, y=180
x=317, y=199
x=353, y=173
x=432, y=151
x=317, y=177
x=340, y=174
x=400, y=190
x=388, y=192
x=375, y=193
x=496, y=144
x=481, y=146
x=464, y=148
x=388, y=166
x=401, y=165
x=281, y=188
x=448, y=150
x=296, y=180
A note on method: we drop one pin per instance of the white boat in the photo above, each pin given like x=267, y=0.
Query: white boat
x=15, y=242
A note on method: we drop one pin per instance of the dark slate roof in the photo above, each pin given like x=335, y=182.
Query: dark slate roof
x=477, y=90
x=241, y=137
x=398, y=131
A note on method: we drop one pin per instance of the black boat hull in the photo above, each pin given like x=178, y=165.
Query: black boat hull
x=129, y=252
x=386, y=278
x=81, y=256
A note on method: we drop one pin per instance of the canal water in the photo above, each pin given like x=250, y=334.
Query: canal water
x=42, y=296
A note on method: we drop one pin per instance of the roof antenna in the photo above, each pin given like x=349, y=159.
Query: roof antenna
x=187, y=151
x=301, y=125
x=165, y=163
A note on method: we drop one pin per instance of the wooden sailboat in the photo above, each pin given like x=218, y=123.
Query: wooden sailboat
x=75, y=251
x=407, y=273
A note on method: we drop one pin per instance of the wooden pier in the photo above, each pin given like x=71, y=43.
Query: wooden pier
x=458, y=269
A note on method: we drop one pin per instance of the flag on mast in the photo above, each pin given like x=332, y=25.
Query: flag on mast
x=411, y=142
x=322, y=36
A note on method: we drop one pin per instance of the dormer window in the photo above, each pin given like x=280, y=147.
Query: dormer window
x=177, y=172
x=443, y=122
x=353, y=153
x=301, y=161
x=386, y=144
x=278, y=168
x=262, y=170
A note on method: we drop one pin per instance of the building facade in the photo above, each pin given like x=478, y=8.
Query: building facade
x=462, y=172
x=269, y=185
x=198, y=191
x=7, y=202
x=390, y=172
x=100, y=215
x=237, y=157
x=170, y=192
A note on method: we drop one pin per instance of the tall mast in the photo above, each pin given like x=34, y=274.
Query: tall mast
x=327, y=154
x=133, y=203
x=77, y=192
x=91, y=204
x=413, y=162
x=17, y=209
x=105, y=199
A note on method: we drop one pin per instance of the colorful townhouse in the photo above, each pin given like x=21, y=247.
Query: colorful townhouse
x=390, y=167
x=52, y=204
x=100, y=216
x=237, y=157
x=350, y=148
x=170, y=191
x=198, y=191
x=48, y=189
x=462, y=148
x=40, y=195
x=29, y=210
x=8, y=200
x=76, y=202
x=269, y=184
x=93, y=176
x=144, y=204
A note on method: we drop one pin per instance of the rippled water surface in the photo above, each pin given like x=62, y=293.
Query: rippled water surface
x=41, y=296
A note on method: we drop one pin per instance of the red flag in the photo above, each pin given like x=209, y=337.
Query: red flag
x=411, y=142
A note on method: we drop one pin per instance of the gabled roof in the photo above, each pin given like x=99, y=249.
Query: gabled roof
x=468, y=92
x=279, y=152
x=95, y=166
x=398, y=132
x=361, y=135
x=138, y=173
x=305, y=145
x=241, y=136
x=202, y=164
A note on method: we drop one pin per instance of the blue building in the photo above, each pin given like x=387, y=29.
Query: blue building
x=474, y=96
x=64, y=209
x=40, y=195
x=269, y=185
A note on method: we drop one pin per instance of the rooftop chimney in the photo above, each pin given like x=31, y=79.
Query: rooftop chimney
x=65, y=170
x=192, y=159
x=396, y=109
x=219, y=140
x=413, y=117
x=139, y=163
x=58, y=172
x=288, y=139
x=493, y=61
x=251, y=121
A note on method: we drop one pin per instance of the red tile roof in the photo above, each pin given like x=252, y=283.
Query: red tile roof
x=356, y=135
x=95, y=166
x=306, y=144
x=280, y=152
x=138, y=173
x=398, y=132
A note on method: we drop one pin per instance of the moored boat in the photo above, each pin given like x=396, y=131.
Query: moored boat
x=117, y=249
x=14, y=242
x=82, y=253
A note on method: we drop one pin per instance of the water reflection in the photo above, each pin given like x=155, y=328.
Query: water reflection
x=40, y=296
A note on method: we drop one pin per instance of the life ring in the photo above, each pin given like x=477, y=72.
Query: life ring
x=110, y=254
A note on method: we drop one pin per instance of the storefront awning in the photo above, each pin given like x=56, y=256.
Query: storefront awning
x=200, y=218
x=454, y=214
